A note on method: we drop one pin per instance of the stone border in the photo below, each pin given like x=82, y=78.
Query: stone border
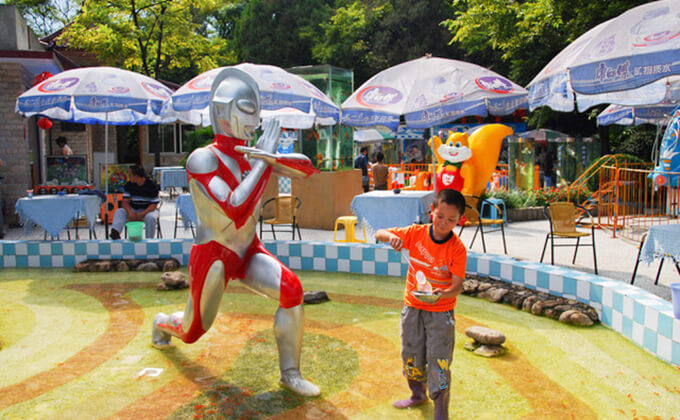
x=642, y=317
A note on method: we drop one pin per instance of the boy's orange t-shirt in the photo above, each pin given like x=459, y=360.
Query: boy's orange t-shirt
x=437, y=261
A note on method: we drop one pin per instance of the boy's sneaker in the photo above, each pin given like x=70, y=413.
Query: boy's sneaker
x=114, y=234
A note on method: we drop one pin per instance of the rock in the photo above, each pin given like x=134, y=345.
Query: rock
x=576, y=317
x=170, y=265
x=493, y=294
x=529, y=302
x=470, y=286
x=315, y=296
x=148, y=266
x=489, y=350
x=81, y=267
x=485, y=335
x=174, y=280
x=537, y=308
x=483, y=286
x=101, y=266
x=122, y=266
x=134, y=263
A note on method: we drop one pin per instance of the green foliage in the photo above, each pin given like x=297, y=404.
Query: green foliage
x=518, y=199
x=280, y=32
x=197, y=138
x=369, y=36
x=158, y=38
x=45, y=16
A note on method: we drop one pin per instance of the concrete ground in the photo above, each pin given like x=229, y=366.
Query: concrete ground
x=615, y=257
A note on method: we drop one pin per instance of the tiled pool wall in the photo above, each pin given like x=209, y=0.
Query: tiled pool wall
x=642, y=317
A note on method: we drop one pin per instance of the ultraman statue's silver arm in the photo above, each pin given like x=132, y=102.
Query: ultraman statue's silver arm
x=267, y=142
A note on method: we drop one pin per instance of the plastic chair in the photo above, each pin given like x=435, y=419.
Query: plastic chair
x=474, y=218
x=562, y=217
x=349, y=222
x=285, y=210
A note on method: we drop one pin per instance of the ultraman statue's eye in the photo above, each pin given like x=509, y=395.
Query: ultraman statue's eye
x=246, y=105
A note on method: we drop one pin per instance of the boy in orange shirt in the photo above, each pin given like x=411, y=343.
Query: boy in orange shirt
x=437, y=260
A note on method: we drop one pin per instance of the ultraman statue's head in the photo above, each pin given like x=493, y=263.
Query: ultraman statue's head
x=235, y=104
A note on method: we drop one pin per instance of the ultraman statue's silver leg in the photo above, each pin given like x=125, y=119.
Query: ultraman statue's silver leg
x=191, y=324
x=264, y=277
x=288, y=333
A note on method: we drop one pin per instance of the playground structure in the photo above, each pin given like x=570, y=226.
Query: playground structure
x=628, y=200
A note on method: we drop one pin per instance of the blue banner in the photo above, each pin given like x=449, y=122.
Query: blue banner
x=624, y=73
x=43, y=102
x=442, y=114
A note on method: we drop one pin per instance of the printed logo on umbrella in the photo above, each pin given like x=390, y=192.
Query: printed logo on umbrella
x=58, y=84
x=118, y=90
x=280, y=86
x=202, y=82
x=378, y=96
x=494, y=84
x=158, y=90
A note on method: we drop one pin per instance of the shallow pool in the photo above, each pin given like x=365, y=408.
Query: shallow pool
x=78, y=346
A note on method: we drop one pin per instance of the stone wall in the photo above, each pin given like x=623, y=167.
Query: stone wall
x=14, y=145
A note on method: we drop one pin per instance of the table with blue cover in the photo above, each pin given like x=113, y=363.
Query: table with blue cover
x=185, y=207
x=171, y=177
x=385, y=209
x=663, y=241
x=54, y=212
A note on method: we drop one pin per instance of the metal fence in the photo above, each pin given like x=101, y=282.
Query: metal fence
x=630, y=200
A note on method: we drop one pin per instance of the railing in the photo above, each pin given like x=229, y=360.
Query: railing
x=629, y=201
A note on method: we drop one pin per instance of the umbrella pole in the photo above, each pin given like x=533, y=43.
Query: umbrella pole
x=106, y=175
x=434, y=165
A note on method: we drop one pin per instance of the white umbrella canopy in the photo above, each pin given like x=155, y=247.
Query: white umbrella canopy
x=289, y=97
x=431, y=91
x=628, y=60
x=97, y=95
x=657, y=114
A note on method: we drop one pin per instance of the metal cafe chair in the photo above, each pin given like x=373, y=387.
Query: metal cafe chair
x=562, y=216
x=285, y=215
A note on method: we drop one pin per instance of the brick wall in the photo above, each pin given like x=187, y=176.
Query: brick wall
x=14, y=149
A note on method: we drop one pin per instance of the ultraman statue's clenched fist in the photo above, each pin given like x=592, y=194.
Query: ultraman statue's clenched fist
x=226, y=190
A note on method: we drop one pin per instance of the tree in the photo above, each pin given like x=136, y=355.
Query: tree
x=160, y=38
x=46, y=16
x=280, y=32
x=369, y=36
x=519, y=38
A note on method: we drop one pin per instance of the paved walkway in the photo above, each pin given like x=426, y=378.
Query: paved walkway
x=615, y=256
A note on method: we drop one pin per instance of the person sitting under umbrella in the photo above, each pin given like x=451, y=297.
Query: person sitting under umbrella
x=140, y=200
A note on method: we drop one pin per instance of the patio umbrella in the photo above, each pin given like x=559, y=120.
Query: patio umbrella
x=97, y=95
x=542, y=134
x=628, y=60
x=372, y=135
x=296, y=102
x=657, y=114
x=431, y=91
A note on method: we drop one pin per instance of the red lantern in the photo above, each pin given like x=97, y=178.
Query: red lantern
x=41, y=77
x=45, y=123
x=660, y=180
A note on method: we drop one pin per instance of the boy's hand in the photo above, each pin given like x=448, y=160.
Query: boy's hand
x=396, y=242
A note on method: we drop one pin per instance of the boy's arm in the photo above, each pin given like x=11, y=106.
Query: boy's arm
x=453, y=290
x=383, y=235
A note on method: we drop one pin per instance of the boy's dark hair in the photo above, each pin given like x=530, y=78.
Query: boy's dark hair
x=450, y=197
x=380, y=157
x=60, y=141
x=363, y=149
x=138, y=170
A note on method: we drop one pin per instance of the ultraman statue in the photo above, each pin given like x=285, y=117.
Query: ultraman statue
x=226, y=189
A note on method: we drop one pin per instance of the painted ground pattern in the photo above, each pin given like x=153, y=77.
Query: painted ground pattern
x=78, y=346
